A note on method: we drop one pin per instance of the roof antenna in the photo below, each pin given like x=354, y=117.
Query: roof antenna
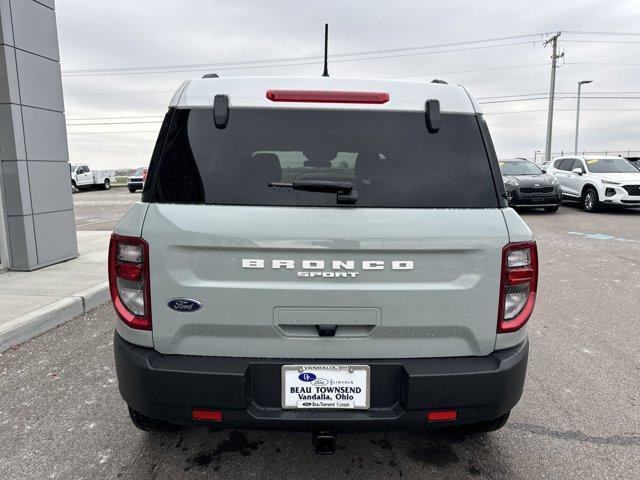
x=325, y=73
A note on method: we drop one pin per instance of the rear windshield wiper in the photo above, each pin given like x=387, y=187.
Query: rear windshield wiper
x=345, y=191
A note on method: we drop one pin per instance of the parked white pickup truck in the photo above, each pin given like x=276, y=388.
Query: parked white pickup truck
x=83, y=177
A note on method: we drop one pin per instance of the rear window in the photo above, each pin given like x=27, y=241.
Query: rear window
x=389, y=157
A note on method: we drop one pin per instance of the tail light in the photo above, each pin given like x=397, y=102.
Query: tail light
x=129, y=280
x=518, y=285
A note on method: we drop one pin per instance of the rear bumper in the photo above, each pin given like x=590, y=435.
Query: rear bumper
x=248, y=391
x=534, y=201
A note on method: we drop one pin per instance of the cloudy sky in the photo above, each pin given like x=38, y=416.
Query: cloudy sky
x=122, y=60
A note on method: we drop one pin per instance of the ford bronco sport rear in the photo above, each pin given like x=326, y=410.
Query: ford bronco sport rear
x=322, y=253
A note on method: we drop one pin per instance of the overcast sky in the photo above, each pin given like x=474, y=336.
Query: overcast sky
x=96, y=34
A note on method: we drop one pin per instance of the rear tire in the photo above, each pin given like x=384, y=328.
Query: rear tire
x=148, y=424
x=487, y=425
x=133, y=190
x=552, y=209
x=107, y=184
x=74, y=187
x=590, y=200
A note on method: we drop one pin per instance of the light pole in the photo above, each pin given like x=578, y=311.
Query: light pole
x=578, y=114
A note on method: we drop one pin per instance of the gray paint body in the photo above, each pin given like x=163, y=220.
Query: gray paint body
x=446, y=306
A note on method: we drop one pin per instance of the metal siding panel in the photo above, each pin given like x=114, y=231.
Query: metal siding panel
x=50, y=186
x=45, y=135
x=9, y=92
x=34, y=28
x=40, y=81
x=16, y=188
x=55, y=234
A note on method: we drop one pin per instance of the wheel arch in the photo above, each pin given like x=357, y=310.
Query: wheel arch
x=587, y=186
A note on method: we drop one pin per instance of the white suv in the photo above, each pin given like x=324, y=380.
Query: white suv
x=595, y=181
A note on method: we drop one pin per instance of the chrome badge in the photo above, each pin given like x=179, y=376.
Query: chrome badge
x=327, y=269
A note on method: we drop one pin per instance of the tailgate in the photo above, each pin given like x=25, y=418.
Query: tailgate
x=346, y=282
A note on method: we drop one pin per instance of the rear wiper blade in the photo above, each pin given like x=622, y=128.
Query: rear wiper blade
x=345, y=191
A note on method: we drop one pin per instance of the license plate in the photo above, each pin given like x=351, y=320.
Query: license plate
x=326, y=386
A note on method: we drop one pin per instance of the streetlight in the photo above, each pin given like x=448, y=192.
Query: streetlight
x=578, y=113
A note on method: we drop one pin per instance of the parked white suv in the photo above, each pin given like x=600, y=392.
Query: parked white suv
x=595, y=181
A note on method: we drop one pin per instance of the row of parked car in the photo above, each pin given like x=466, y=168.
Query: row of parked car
x=592, y=181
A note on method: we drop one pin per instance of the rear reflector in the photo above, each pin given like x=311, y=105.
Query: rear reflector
x=442, y=416
x=210, y=415
x=320, y=96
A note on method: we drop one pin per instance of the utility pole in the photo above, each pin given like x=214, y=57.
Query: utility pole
x=552, y=92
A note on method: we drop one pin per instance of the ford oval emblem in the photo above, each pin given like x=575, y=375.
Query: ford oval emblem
x=307, y=377
x=184, y=305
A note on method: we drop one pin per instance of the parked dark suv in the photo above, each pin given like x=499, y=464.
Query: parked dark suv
x=529, y=187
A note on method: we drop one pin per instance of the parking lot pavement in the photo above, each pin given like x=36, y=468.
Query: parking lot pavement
x=100, y=209
x=61, y=415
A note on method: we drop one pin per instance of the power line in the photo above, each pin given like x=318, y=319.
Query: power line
x=112, y=123
x=106, y=132
x=604, y=64
x=582, y=32
x=600, y=41
x=568, y=93
x=562, y=97
x=115, y=118
x=510, y=67
x=380, y=57
x=568, y=110
x=290, y=59
x=139, y=92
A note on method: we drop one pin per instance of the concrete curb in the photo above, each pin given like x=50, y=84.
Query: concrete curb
x=39, y=321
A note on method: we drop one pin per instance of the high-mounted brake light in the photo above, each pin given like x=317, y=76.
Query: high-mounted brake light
x=129, y=281
x=322, y=96
x=518, y=285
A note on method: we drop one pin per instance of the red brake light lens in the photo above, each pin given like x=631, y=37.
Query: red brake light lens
x=210, y=415
x=128, y=271
x=442, y=416
x=321, y=96
x=518, y=285
x=129, y=281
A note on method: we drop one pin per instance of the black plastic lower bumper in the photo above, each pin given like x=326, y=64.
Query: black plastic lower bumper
x=248, y=391
x=531, y=201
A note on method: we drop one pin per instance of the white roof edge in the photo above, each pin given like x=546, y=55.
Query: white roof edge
x=474, y=102
x=176, y=96
x=251, y=92
x=585, y=157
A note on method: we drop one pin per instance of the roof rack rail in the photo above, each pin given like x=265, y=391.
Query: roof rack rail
x=210, y=75
x=437, y=80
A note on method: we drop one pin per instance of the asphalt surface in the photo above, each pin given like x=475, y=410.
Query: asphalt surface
x=100, y=209
x=61, y=415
